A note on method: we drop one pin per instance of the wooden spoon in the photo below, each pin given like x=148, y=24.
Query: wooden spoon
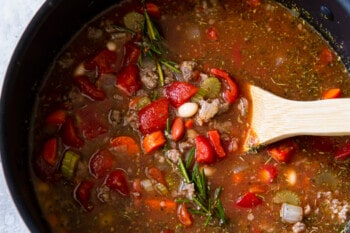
x=275, y=118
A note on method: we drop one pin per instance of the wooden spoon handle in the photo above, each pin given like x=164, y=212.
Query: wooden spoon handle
x=275, y=118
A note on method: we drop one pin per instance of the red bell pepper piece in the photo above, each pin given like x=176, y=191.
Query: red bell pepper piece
x=131, y=53
x=128, y=79
x=343, y=153
x=268, y=173
x=82, y=194
x=232, y=92
x=101, y=163
x=92, y=119
x=204, y=151
x=49, y=152
x=88, y=88
x=154, y=116
x=117, y=181
x=214, y=138
x=69, y=134
x=57, y=117
x=177, y=129
x=248, y=200
x=104, y=62
x=179, y=93
x=282, y=151
x=331, y=93
x=184, y=215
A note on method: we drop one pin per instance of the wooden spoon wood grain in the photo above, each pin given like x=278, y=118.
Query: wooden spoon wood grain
x=275, y=118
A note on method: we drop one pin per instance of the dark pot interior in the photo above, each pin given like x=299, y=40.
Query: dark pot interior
x=53, y=26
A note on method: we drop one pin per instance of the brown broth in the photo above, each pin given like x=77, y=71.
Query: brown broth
x=266, y=45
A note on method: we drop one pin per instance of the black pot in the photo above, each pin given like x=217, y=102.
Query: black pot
x=52, y=27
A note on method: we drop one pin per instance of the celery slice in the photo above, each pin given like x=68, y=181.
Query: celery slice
x=286, y=196
x=69, y=164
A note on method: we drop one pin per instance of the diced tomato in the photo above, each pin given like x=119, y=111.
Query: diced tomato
x=153, y=141
x=332, y=93
x=117, y=181
x=131, y=146
x=282, y=151
x=152, y=10
x=57, y=117
x=204, y=151
x=179, y=93
x=268, y=173
x=105, y=62
x=92, y=120
x=326, y=56
x=49, y=151
x=214, y=138
x=248, y=200
x=232, y=92
x=156, y=175
x=128, y=79
x=102, y=162
x=69, y=134
x=177, y=129
x=343, y=152
x=88, y=88
x=183, y=215
x=212, y=33
x=154, y=116
x=82, y=194
x=131, y=53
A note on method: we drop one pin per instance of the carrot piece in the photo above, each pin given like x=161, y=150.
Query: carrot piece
x=132, y=147
x=189, y=123
x=177, y=129
x=161, y=205
x=157, y=175
x=214, y=138
x=153, y=141
x=331, y=93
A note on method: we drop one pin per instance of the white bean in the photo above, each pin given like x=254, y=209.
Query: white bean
x=187, y=109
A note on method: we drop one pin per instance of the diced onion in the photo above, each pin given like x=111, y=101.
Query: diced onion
x=291, y=213
x=187, y=109
x=147, y=185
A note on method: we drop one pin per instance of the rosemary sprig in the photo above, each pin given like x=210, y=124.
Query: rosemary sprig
x=204, y=204
x=152, y=46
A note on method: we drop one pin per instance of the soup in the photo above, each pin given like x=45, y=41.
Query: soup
x=141, y=122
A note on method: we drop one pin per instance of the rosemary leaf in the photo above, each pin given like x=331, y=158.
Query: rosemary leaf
x=170, y=65
x=190, y=158
x=124, y=29
x=183, y=171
